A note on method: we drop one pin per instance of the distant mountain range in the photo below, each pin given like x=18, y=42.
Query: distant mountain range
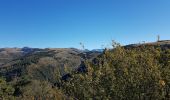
x=36, y=62
x=97, y=50
x=9, y=54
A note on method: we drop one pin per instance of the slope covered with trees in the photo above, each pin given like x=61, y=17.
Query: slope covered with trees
x=124, y=73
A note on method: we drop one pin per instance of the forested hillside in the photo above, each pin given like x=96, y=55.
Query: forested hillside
x=133, y=72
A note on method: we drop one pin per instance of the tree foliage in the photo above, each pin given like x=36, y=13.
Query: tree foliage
x=140, y=73
x=6, y=90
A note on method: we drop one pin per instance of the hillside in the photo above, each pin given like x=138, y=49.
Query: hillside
x=162, y=43
x=133, y=72
x=41, y=63
x=9, y=54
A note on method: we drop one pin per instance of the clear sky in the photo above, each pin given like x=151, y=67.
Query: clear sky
x=66, y=23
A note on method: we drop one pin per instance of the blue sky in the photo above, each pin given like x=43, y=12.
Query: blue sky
x=66, y=23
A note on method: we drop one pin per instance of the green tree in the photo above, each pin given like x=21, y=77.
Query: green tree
x=6, y=90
